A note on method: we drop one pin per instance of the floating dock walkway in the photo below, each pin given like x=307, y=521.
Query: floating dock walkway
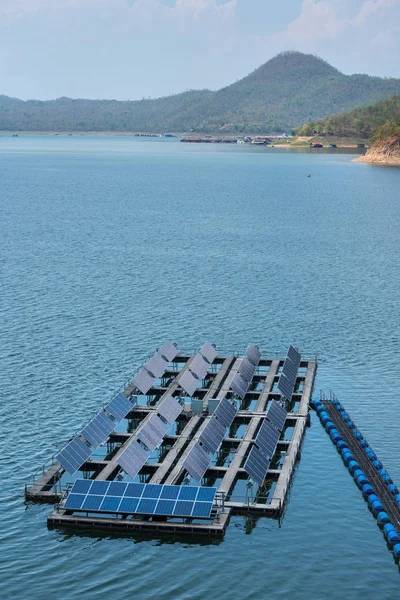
x=371, y=477
x=189, y=441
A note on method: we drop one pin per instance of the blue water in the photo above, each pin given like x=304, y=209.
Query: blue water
x=111, y=245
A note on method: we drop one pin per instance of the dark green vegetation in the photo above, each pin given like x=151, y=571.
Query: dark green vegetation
x=379, y=120
x=289, y=90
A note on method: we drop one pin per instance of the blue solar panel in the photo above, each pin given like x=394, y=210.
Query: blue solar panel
x=165, y=507
x=82, y=486
x=152, y=491
x=206, y=494
x=170, y=492
x=110, y=504
x=128, y=505
x=98, y=430
x=188, y=492
x=135, y=489
x=92, y=502
x=74, y=455
x=225, y=412
x=74, y=501
x=99, y=487
x=212, y=435
x=147, y=506
x=256, y=465
x=202, y=509
x=117, y=488
x=138, y=498
x=119, y=406
x=183, y=508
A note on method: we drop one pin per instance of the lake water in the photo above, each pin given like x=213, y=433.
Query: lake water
x=109, y=246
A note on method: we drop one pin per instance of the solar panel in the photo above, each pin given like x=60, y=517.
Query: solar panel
x=169, y=409
x=199, y=366
x=143, y=381
x=197, y=462
x=225, y=412
x=157, y=425
x=294, y=354
x=246, y=369
x=188, y=382
x=119, y=407
x=253, y=354
x=133, y=498
x=98, y=429
x=256, y=465
x=133, y=458
x=277, y=414
x=212, y=435
x=289, y=369
x=285, y=387
x=149, y=437
x=209, y=352
x=239, y=385
x=267, y=438
x=74, y=455
x=168, y=350
x=156, y=365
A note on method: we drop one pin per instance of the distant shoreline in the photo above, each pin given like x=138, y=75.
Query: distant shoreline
x=295, y=143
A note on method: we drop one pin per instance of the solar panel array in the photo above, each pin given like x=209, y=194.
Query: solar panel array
x=287, y=380
x=242, y=379
x=197, y=462
x=95, y=433
x=139, y=498
x=133, y=457
x=256, y=465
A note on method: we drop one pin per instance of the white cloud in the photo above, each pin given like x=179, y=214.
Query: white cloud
x=371, y=7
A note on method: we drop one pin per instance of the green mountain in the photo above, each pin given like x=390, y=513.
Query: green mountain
x=363, y=122
x=290, y=89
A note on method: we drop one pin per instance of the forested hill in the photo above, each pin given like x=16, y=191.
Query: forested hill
x=287, y=91
x=365, y=123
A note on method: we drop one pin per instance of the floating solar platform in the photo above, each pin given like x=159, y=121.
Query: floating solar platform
x=194, y=452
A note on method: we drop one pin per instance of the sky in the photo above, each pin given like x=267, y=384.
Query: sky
x=133, y=49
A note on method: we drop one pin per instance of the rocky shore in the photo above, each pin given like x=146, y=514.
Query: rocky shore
x=383, y=152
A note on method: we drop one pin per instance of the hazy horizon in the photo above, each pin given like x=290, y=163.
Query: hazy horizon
x=134, y=49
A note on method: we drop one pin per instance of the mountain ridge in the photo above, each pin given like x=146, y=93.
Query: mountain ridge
x=285, y=92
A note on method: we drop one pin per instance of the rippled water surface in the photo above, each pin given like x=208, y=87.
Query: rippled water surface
x=111, y=245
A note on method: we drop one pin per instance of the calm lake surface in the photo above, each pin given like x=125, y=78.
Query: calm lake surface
x=109, y=246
